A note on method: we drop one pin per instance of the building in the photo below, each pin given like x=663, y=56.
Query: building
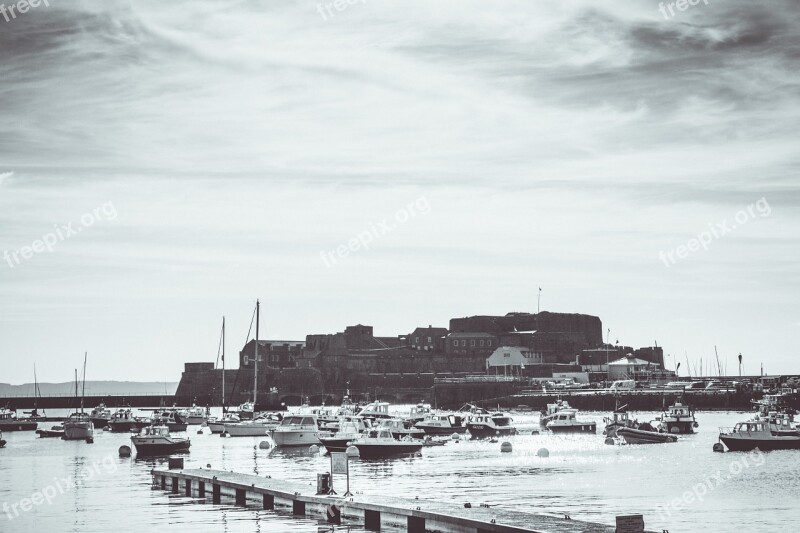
x=277, y=354
x=512, y=360
x=428, y=339
x=629, y=367
x=474, y=344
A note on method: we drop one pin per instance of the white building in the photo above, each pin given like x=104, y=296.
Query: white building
x=512, y=359
x=628, y=367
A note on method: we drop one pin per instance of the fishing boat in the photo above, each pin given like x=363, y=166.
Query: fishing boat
x=195, y=415
x=679, y=419
x=552, y=410
x=442, y=424
x=419, y=412
x=350, y=428
x=399, y=428
x=156, y=440
x=78, y=425
x=487, y=425
x=618, y=419
x=565, y=421
x=258, y=427
x=10, y=422
x=379, y=444
x=645, y=434
x=170, y=417
x=101, y=416
x=55, y=432
x=297, y=430
x=375, y=410
x=123, y=420
x=765, y=434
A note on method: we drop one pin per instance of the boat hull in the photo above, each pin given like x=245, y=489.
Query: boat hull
x=435, y=430
x=736, y=444
x=100, y=422
x=336, y=444
x=127, y=426
x=78, y=431
x=637, y=436
x=151, y=450
x=679, y=428
x=296, y=438
x=578, y=427
x=246, y=430
x=195, y=420
x=482, y=431
x=216, y=427
x=18, y=425
x=380, y=451
x=50, y=433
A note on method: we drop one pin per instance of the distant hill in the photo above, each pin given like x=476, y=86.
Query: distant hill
x=93, y=388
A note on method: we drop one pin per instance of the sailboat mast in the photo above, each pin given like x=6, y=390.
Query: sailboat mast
x=255, y=377
x=223, y=364
x=83, y=389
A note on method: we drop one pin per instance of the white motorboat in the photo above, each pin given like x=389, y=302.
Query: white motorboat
x=565, y=421
x=258, y=427
x=379, y=443
x=679, y=419
x=375, y=410
x=442, y=424
x=100, y=415
x=552, y=410
x=156, y=440
x=419, y=412
x=488, y=425
x=217, y=425
x=195, y=415
x=350, y=428
x=399, y=428
x=297, y=430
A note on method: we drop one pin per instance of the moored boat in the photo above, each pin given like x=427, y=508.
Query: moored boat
x=195, y=415
x=679, y=419
x=619, y=419
x=552, y=410
x=56, y=432
x=10, y=422
x=217, y=425
x=297, y=430
x=78, y=426
x=258, y=427
x=156, y=440
x=766, y=434
x=566, y=421
x=399, y=428
x=101, y=416
x=123, y=420
x=442, y=424
x=378, y=444
x=645, y=434
x=487, y=425
x=374, y=411
x=350, y=428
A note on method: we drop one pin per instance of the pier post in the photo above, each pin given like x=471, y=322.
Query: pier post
x=215, y=494
x=201, y=489
x=372, y=520
x=241, y=497
x=188, y=487
x=298, y=507
x=416, y=524
x=163, y=482
x=269, y=502
x=174, y=485
x=334, y=514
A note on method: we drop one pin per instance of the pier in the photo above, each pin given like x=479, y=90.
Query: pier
x=374, y=512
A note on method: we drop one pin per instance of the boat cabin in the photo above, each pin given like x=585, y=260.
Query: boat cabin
x=496, y=419
x=154, y=431
x=301, y=421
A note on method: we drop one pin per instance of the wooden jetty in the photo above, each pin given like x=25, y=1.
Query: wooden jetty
x=373, y=511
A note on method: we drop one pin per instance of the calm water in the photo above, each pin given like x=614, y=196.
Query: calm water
x=582, y=477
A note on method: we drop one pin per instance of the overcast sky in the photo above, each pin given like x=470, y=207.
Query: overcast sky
x=184, y=158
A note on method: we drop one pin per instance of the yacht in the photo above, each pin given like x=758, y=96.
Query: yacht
x=10, y=422
x=123, y=421
x=258, y=427
x=766, y=434
x=350, y=428
x=78, y=426
x=100, y=415
x=487, y=425
x=379, y=443
x=156, y=440
x=399, y=428
x=565, y=421
x=297, y=430
x=442, y=424
x=679, y=419
x=551, y=411
x=217, y=425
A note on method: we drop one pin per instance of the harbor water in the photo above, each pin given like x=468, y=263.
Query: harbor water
x=53, y=485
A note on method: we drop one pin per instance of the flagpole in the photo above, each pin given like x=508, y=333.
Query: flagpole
x=539, y=301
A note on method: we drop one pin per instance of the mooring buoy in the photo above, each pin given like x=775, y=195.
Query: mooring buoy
x=718, y=447
x=609, y=441
x=313, y=448
x=543, y=452
x=506, y=447
x=124, y=451
x=264, y=445
x=352, y=451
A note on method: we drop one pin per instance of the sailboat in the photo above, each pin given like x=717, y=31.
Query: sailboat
x=79, y=426
x=217, y=425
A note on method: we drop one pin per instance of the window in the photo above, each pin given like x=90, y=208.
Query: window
x=489, y=343
x=463, y=343
x=455, y=343
x=430, y=340
x=472, y=342
x=246, y=359
x=481, y=342
x=416, y=340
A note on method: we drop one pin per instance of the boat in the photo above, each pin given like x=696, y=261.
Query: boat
x=101, y=416
x=486, y=425
x=765, y=434
x=10, y=422
x=551, y=411
x=419, y=412
x=645, y=434
x=170, y=417
x=781, y=402
x=679, y=419
x=246, y=411
x=618, y=419
x=350, y=428
x=217, y=425
x=2, y=442
x=56, y=431
x=156, y=440
x=375, y=410
x=442, y=424
x=297, y=430
x=78, y=425
x=258, y=427
x=123, y=420
x=379, y=443
x=399, y=428
x=565, y=421
x=194, y=415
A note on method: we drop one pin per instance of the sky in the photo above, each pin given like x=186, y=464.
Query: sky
x=395, y=164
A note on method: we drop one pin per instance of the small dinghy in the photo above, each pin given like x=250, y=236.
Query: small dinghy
x=645, y=434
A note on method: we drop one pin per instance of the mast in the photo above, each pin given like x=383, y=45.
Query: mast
x=76, y=383
x=255, y=377
x=83, y=390
x=223, y=364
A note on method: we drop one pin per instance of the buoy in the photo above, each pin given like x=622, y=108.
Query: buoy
x=609, y=440
x=90, y=440
x=506, y=447
x=718, y=447
x=208, y=465
x=352, y=451
x=543, y=452
x=199, y=431
x=124, y=451
x=264, y=445
x=455, y=436
x=313, y=448
x=467, y=505
x=696, y=425
x=534, y=432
